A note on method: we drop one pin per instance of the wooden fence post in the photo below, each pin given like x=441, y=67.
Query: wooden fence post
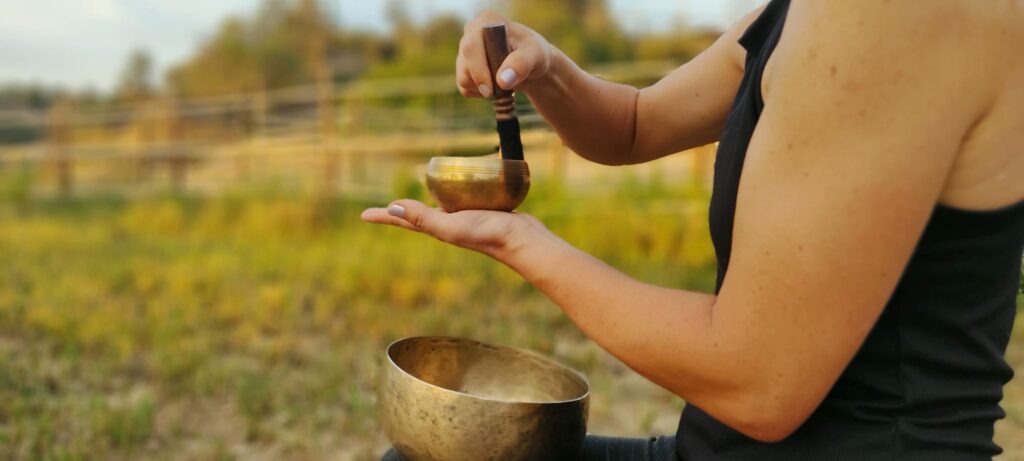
x=559, y=162
x=260, y=108
x=355, y=164
x=176, y=152
x=141, y=136
x=59, y=145
x=701, y=165
x=328, y=128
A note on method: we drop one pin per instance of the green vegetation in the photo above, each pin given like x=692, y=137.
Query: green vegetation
x=282, y=43
x=253, y=322
x=174, y=327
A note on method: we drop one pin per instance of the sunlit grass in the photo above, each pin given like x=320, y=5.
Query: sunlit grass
x=255, y=321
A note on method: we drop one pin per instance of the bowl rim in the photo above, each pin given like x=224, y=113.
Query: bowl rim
x=582, y=378
x=484, y=162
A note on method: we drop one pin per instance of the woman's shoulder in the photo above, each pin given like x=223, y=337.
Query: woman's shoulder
x=953, y=61
x=988, y=169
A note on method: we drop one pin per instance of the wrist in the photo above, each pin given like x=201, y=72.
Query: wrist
x=528, y=237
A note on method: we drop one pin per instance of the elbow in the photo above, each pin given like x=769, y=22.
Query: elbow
x=767, y=417
x=764, y=429
x=624, y=154
x=614, y=161
x=603, y=156
x=621, y=148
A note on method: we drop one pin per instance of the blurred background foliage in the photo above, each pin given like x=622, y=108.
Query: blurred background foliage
x=247, y=321
x=252, y=323
x=280, y=43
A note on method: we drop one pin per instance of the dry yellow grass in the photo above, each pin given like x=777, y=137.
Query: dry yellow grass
x=250, y=325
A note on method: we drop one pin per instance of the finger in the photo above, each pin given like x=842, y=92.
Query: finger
x=463, y=79
x=381, y=216
x=519, y=64
x=420, y=216
x=472, y=49
x=476, y=65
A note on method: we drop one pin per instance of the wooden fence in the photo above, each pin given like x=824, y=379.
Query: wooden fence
x=352, y=139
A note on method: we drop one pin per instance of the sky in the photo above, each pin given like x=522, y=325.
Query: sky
x=85, y=43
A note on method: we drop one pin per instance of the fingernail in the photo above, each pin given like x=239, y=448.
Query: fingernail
x=397, y=211
x=508, y=76
x=485, y=91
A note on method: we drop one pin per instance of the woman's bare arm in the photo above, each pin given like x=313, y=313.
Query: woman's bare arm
x=846, y=164
x=607, y=122
x=857, y=138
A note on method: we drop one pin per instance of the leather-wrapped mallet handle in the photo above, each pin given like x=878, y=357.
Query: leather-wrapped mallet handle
x=497, y=49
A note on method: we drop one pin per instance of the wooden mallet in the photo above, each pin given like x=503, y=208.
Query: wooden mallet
x=497, y=49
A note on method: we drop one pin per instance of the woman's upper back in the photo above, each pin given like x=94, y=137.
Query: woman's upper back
x=927, y=381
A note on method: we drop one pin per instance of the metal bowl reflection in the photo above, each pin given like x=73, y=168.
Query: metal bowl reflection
x=450, y=399
x=478, y=183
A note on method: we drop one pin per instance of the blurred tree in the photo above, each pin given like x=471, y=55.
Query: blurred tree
x=282, y=44
x=284, y=41
x=17, y=97
x=584, y=29
x=225, y=63
x=416, y=51
x=22, y=96
x=587, y=31
x=402, y=28
x=136, y=80
x=681, y=44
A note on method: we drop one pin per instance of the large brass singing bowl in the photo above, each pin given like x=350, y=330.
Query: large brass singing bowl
x=450, y=399
x=478, y=183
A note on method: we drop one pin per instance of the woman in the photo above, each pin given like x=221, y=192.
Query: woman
x=868, y=257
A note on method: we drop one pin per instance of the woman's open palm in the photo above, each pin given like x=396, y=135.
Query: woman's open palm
x=488, y=232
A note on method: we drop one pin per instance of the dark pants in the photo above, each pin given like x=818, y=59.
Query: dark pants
x=597, y=448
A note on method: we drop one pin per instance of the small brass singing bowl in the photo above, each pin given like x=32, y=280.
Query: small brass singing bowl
x=478, y=183
x=450, y=399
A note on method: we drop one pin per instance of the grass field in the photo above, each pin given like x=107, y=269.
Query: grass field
x=251, y=325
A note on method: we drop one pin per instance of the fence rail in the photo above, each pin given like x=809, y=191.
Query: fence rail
x=352, y=138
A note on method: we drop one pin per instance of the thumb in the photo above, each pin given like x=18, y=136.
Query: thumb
x=517, y=67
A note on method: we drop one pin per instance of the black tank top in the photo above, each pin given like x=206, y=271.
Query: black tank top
x=927, y=382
